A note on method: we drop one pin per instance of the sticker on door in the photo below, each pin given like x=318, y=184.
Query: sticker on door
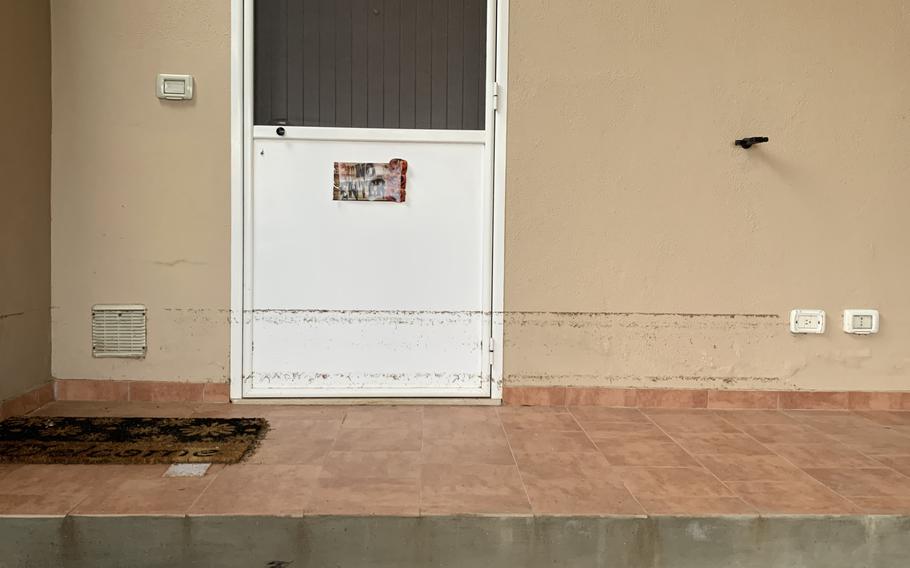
x=371, y=181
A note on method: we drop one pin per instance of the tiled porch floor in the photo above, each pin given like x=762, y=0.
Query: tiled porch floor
x=433, y=460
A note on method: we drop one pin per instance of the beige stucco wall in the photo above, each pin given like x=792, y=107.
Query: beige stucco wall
x=141, y=193
x=25, y=157
x=633, y=222
x=642, y=248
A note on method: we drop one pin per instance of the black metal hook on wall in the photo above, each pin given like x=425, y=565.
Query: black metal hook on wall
x=747, y=143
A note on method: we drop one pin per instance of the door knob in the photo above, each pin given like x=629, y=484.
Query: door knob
x=280, y=131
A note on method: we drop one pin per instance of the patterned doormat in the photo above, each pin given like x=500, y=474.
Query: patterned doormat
x=48, y=440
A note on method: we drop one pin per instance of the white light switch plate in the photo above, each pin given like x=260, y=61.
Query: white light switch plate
x=807, y=321
x=861, y=322
x=174, y=87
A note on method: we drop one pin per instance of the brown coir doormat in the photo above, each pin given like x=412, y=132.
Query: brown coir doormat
x=50, y=440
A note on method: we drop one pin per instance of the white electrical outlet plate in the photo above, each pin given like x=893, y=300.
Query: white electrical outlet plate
x=807, y=321
x=861, y=322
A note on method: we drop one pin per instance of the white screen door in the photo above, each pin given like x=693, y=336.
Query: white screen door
x=344, y=296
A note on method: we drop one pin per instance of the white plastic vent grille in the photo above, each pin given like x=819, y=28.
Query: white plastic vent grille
x=118, y=331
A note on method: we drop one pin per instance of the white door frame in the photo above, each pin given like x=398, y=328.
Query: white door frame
x=241, y=179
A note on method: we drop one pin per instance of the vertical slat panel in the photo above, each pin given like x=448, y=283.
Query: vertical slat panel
x=439, y=63
x=407, y=64
x=371, y=63
x=311, y=62
x=295, y=61
x=391, y=62
x=423, y=63
x=343, y=27
x=473, y=35
x=360, y=14
x=327, y=63
x=280, y=64
x=262, y=60
x=375, y=70
x=455, y=65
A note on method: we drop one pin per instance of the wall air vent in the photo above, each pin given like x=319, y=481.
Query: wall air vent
x=119, y=331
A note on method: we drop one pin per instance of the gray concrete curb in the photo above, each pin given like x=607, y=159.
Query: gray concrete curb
x=458, y=541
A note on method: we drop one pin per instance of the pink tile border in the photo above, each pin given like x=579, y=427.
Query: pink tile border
x=594, y=396
x=534, y=396
x=166, y=391
x=147, y=391
x=742, y=400
x=81, y=389
x=704, y=398
x=672, y=398
x=814, y=400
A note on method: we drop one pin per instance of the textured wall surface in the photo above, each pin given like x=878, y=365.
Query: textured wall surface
x=642, y=248
x=634, y=226
x=25, y=161
x=141, y=192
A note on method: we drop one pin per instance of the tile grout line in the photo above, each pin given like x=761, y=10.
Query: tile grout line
x=208, y=485
x=690, y=454
x=600, y=452
x=420, y=464
x=521, y=476
x=806, y=473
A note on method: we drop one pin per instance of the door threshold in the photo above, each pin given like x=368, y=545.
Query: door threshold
x=371, y=401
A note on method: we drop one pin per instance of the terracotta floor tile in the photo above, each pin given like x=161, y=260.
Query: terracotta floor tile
x=38, y=505
x=378, y=465
x=679, y=421
x=645, y=452
x=384, y=417
x=545, y=441
x=279, y=490
x=365, y=496
x=791, y=497
x=786, y=434
x=898, y=463
x=80, y=408
x=531, y=418
x=882, y=442
x=466, y=450
x=472, y=488
x=672, y=482
x=303, y=429
x=557, y=466
x=751, y=468
x=830, y=420
x=720, y=443
x=832, y=454
x=890, y=505
x=625, y=430
x=579, y=483
x=291, y=451
x=166, y=496
x=696, y=506
x=376, y=439
x=603, y=414
x=150, y=409
x=886, y=418
x=461, y=422
x=866, y=482
x=269, y=411
x=751, y=417
x=579, y=496
x=7, y=468
x=73, y=480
